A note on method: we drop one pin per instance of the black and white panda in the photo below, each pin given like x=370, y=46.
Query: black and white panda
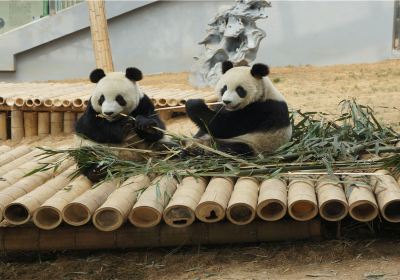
x=253, y=117
x=118, y=93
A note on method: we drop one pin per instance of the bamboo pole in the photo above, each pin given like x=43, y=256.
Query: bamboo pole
x=332, y=201
x=302, y=202
x=27, y=238
x=362, y=203
x=56, y=123
x=213, y=203
x=272, y=200
x=9, y=156
x=180, y=211
x=79, y=211
x=69, y=122
x=21, y=210
x=115, y=210
x=49, y=214
x=20, y=171
x=4, y=149
x=17, y=125
x=26, y=185
x=99, y=31
x=148, y=210
x=43, y=123
x=387, y=193
x=30, y=124
x=4, y=169
x=3, y=126
x=243, y=202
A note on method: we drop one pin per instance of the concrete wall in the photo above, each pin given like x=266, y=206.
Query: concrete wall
x=163, y=36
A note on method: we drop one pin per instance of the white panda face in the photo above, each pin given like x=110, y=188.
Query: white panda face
x=115, y=94
x=237, y=88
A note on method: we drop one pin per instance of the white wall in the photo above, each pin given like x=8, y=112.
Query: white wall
x=162, y=37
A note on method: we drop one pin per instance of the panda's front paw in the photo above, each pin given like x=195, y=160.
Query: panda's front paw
x=143, y=123
x=195, y=104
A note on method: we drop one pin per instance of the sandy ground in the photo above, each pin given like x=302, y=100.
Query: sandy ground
x=307, y=88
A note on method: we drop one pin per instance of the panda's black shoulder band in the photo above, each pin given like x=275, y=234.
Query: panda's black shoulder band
x=97, y=75
x=133, y=74
x=226, y=65
x=259, y=70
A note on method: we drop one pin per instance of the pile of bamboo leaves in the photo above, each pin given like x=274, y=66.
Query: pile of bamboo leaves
x=318, y=145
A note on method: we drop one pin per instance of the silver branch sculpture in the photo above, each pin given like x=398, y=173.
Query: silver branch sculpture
x=232, y=34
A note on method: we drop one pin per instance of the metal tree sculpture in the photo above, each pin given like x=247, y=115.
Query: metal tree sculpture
x=232, y=34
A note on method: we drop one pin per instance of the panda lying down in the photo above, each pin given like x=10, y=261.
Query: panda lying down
x=118, y=93
x=253, y=118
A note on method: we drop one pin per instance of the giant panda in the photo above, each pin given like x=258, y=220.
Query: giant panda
x=253, y=118
x=118, y=93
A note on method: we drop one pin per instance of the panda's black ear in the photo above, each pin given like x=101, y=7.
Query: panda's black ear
x=226, y=65
x=97, y=75
x=259, y=70
x=133, y=74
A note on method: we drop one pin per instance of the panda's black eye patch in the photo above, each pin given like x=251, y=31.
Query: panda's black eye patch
x=121, y=101
x=223, y=89
x=241, y=92
x=101, y=100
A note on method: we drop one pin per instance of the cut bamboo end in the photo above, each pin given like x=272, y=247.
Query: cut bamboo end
x=362, y=204
x=29, y=103
x=80, y=210
x=10, y=101
x=76, y=214
x=332, y=201
x=30, y=124
x=57, y=102
x=43, y=123
x=56, y=123
x=19, y=102
x=2, y=100
x=272, y=200
x=17, y=125
x=66, y=103
x=214, y=201
x=17, y=213
x=3, y=126
x=48, y=102
x=47, y=217
x=243, y=202
x=85, y=103
x=387, y=193
x=114, y=212
x=37, y=102
x=162, y=102
x=172, y=102
x=302, y=201
x=49, y=214
x=180, y=211
x=148, y=210
x=77, y=102
x=108, y=219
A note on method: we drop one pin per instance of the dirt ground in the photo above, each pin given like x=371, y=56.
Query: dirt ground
x=310, y=89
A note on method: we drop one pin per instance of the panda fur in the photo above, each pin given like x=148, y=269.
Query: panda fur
x=118, y=93
x=253, y=117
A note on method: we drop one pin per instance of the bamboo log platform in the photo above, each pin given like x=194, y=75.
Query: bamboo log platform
x=31, y=109
x=37, y=211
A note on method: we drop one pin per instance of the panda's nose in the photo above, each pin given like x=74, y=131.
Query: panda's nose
x=227, y=102
x=108, y=113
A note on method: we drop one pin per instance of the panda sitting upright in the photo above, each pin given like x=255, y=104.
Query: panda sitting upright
x=253, y=118
x=102, y=123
